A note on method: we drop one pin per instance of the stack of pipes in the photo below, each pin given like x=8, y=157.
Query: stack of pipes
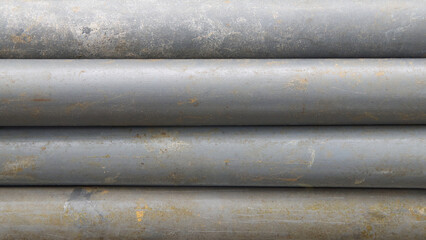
x=212, y=119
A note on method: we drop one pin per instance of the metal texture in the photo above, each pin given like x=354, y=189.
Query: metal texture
x=212, y=92
x=193, y=213
x=212, y=28
x=387, y=157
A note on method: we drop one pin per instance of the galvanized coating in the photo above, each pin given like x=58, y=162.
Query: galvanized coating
x=212, y=28
x=212, y=92
x=387, y=157
x=193, y=213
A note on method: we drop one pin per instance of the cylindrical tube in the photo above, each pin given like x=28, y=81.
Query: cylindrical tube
x=386, y=157
x=212, y=28
x=212, y=92
x=193, y=213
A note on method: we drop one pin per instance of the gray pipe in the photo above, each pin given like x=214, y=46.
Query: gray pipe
x=212, y=92
x=193, y=213
x=212, y=28
x=386, y=157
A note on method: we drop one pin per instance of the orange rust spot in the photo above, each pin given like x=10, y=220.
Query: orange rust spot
x=139, y=215
x=43, y=148
x=227, y=162
x=75, y=9
x=193, y=100
x=381, y=73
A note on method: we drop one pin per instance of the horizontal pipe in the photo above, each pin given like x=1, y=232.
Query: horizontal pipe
x=193, y=213
x=212, y=92
x=212, y=28
x=386, y=157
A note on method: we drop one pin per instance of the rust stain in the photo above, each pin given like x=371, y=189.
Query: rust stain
x=35, y=112
x=96, y=164
x=104, y=192
x=43, y=148
x=370, y=115
x=79, y=105
x=300, y=84
x=193, y=101
x=75, y=9
x=290, y=179
x=106, y=156
x=381, y=73
x=181, y=211
x=42, y=99
x=12, y=168
x=23, y=38
x=418, y=213
x=110, y=180
x=359, y=181
x=343, y=74
x=140, y=212
x=160, y=135
x=227, y=162
x=367, y=233
x=139, y=215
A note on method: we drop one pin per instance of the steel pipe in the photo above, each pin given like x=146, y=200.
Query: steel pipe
x=212, y=28
x=193, y=213
x=212, y=92
x=386, y=157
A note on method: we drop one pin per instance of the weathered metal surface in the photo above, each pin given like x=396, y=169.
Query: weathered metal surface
x=193, y=213
x=212, y=92
x=212, y=28
x=266, y=156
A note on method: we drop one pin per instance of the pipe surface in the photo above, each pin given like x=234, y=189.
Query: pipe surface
x=212, y=29
x=193, y=213
x=212, y=92
x=385, y=157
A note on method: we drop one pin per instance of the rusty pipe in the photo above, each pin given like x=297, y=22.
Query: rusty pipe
x=385, y=157
x=194, y=213
x=212, y=29
x=212, y=92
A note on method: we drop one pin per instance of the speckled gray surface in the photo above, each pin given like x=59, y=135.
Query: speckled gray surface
x=211, y=213
x=383, y=157
x=212, y=92
x=212, y=28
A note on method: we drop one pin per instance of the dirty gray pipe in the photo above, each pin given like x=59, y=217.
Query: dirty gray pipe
x=385, y=157
x=200, y=213
x=212, y=92
x=212, y=28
